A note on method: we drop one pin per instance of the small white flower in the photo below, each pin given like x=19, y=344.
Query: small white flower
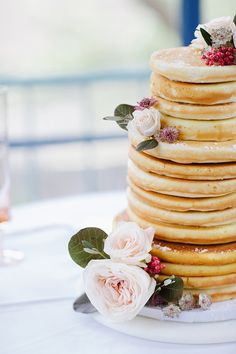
x=147, y=121
x=118, y=291
x=171, y=311
x=187, y=302
x=204, y=301
x=221, y=29
x=129, y=243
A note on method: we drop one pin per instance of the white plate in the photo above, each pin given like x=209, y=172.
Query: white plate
x=175, y=332
x=219, y=311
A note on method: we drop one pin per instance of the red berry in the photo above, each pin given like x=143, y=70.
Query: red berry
x=221, y=56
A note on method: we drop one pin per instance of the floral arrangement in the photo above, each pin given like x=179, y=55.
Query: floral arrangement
x=145, y=119
x=121, y=276
x=217, y=40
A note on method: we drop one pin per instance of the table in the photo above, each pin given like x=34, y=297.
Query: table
x=36, y=296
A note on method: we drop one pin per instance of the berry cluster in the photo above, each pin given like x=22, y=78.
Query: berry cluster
x=221, y=56
x=154, y=267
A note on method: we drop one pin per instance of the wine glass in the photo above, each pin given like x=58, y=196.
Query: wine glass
x=7, y=257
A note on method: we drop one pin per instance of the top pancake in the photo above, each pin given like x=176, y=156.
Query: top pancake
x=185, y=64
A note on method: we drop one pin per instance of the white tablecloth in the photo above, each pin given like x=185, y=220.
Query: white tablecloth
x=36, y=296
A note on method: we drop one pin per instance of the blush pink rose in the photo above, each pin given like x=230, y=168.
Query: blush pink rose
x=129, y=243
x=118, y=291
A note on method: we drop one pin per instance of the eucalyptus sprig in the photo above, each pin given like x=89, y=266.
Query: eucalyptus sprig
x=123, y=114
x=169, y=290
x=206, y=36
x=86, y=245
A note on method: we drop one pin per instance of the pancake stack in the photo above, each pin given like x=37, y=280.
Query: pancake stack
x=187, y=190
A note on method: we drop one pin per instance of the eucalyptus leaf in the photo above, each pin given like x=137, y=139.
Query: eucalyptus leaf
x=123, y=110
x=206, y=36
x=87, y=244
x=91, y=250
x=95, y=237
x=83, y=305
x=173, y=291
x=122, y=125
x=147, y=145
x=114, y=118
x=234, y=20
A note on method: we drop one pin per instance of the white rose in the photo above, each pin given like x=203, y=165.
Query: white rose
x=221, y=22
x=147, y=121
x=129, y=244
x=118, y=291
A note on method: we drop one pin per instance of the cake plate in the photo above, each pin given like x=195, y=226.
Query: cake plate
x=216, y=325
x=175, y=332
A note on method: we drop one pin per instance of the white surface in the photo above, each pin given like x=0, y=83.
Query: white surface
x=175, y=332
x=36, y=297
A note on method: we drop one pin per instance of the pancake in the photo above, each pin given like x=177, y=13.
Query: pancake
x=184, y=234
x=198, y=270
x=190, y=151
x=191, y=254
x=190, y=171
x=191, y=218
x=206, y=282
x=216, y=294
x=196, y=112
x=214, y=130
x=179, y=187
x=204, y=94
x=170, y=202
x=185, y=64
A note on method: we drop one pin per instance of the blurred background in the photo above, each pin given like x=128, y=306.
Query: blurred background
x=68, y=63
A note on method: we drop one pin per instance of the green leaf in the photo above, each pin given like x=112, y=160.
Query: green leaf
x=93, y=238
x=147, y=145
x=122, y=125
x=234, y=20
x=113, y=118
x=91, y=250
x=173, y=291
x=206, y=36
x=123, y=110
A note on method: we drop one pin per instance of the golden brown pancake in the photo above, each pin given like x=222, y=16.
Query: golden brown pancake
x=204, y=94
x=202, y=130
x=185, y=64
x=170, y=202
x=196, y=111
x=191, y=171
x=184, y=234
x=216, y=294
x=206, y=282
x=191, y=218
x=194, y=254
x=190, y=151
x=198, y=270
x=179, y=187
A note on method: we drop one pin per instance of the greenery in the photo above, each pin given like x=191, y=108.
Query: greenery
x=173, y=291
x=87, y=244
x=206, y=36
x=123, y=114
x=147, y=145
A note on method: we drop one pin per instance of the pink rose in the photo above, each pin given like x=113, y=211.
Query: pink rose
x=129, y=244
x=118, y=291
